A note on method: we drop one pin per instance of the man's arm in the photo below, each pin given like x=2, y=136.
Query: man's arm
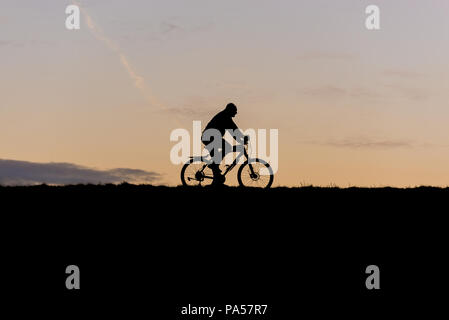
x=236, y=133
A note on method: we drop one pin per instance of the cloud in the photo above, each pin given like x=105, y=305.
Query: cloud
x=415, y=94
x=10, y=43
x=13, y=172
x=334, y=92
x=183, y=28
x=359, y=143
x=6, y=43
x=320, y=55
x=370, y=144
x=136, y=77
x=392, y=91
x=195, y=106
x=326, y=91
x=31, y=43
x=167, y=27
x=402, y=73
x=188, y=112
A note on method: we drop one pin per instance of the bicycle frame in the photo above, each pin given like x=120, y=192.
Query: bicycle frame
x=244, y=152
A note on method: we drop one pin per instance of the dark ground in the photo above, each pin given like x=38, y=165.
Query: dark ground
x=145, y=250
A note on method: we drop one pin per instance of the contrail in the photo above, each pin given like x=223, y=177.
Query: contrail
x=139, y=81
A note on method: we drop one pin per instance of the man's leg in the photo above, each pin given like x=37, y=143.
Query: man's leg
x=216, y=151
x=215, y=165
x=227, y=148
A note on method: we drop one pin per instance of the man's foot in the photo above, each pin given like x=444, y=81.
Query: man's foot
x=218, y=180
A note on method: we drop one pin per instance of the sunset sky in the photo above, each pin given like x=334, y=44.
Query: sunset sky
x=352, y=106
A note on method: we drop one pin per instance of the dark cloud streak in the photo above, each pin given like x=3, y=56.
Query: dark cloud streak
x=14, y=172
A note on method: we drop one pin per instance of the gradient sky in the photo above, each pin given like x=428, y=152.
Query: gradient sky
x=353, y=107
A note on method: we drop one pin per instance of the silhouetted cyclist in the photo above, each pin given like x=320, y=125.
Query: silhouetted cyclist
x=221, y=122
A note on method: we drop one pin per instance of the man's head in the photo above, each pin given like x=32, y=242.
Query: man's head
x=231, y=109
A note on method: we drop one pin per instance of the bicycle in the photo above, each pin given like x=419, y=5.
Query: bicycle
x=196, y=171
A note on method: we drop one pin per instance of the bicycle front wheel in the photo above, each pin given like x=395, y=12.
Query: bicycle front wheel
x=255, y=173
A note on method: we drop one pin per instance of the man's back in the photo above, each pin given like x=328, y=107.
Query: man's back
x=221, y=121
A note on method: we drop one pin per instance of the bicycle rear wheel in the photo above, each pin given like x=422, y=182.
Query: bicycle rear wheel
x=196, y=173
x=255, y=173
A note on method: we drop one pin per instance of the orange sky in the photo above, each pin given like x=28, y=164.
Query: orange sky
x=352, y=106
